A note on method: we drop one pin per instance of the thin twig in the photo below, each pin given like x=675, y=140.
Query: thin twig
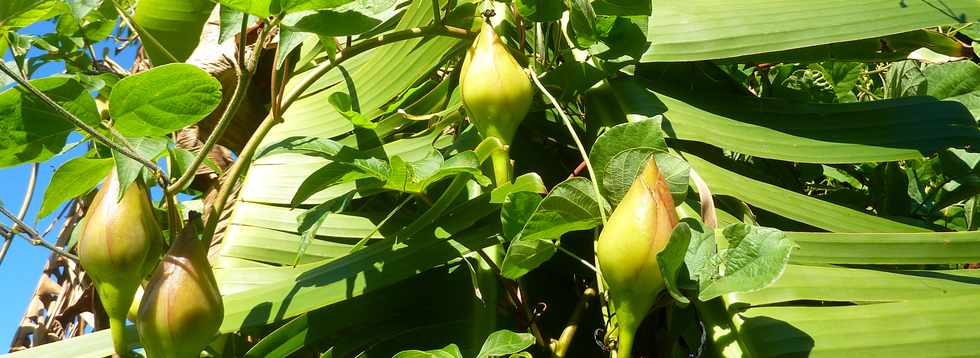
x=25, y=85
x=35, y=238
x=24, y=205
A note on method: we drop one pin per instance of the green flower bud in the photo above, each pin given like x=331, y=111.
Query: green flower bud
x=495, y=90
x=181, y=308
x=627, y=251
x=119, y=240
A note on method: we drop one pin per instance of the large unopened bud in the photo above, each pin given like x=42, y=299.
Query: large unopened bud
x=627, y=251
x=495, y=90
x=181, y=309
x=119, y=240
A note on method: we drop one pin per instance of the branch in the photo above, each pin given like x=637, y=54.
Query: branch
x=244, y=73
x=35, y=238
x=26, y=85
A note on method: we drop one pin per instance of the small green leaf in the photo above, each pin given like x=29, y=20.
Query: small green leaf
x=570, y=206
x=260, y=8
x=323, y=178
x=701, y=249
x=504, y=342
x=344, y=105
x=310, y=221
x=450, y=351
x=163, y=99
x=755, y=258
x=541, y=10
x=671, y=261
x=676, y=173
x=312, y=146
x=74, y=178
x=31, y=131
x=129, y=169
x=530, y=182
x=231, y=22
x=643, y=136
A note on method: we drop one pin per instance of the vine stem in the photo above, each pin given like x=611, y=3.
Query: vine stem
x=35, y=237
x=244, y=159
x=595, y=187
x=565, y=340
x=578, y=143
x=143, y=33
x=243, y=72
x=24, y=205
x=124, y=150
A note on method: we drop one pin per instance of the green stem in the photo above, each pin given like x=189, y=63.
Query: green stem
x=117, y=328
x=243, y=73
x=502, y=170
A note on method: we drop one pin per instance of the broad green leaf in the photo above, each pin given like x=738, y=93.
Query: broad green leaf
x=571, y=206
x=292, y=6
x=515, y=212
x=622, y=7
x=450, y=351
x=713, y=29
x=504, y=342
x=790, y=204
x=914, y=328
x=641, y=138
x=541, y=10
x=700, y=250
x=670, y=261
x=21, y=13
x=129, y=169
x=885, y=248
x=955, y=81
x=329, y=23
x=163, y=99
x=811, y=133
x=877, y=49
x=843, y=76
x=755, y=258
x=32, y=131
x=175, y=24
x=525, y=255
x=861, y=285
x=74, y=178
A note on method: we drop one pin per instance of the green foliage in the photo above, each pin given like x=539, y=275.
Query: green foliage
x=32, y=131
x=820, y=156
x=164, y=99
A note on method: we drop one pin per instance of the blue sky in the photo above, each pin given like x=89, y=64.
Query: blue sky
x=21, y=269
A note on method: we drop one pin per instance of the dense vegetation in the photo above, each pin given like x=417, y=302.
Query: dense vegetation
x=431, y=178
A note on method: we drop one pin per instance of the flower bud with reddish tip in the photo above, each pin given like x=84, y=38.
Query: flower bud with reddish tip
x=636, y=232
x=496, y=91
x=119, y=240
x=181, y=308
